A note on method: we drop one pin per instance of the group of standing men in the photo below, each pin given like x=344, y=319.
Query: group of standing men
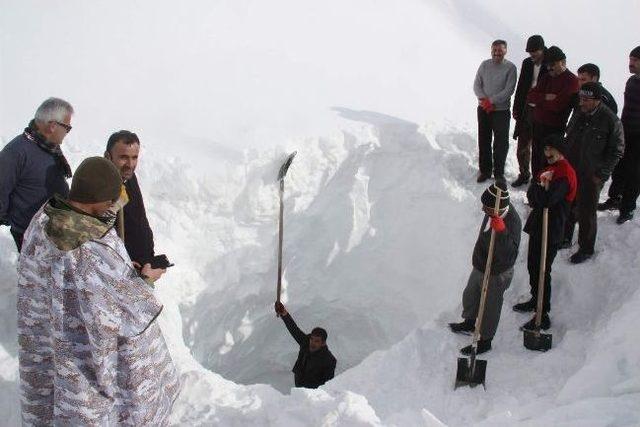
x=90, y=349
x=567, y=165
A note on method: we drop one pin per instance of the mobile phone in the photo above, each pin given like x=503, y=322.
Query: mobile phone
x=161, y=261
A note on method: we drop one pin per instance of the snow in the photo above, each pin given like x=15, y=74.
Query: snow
x=381, y=205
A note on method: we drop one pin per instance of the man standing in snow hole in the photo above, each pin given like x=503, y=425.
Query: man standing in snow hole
x=315, y=364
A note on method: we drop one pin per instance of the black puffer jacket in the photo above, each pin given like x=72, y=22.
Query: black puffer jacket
x=312, y=369
x=595, y=142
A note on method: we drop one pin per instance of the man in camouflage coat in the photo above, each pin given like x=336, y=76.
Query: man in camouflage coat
x=90, y=349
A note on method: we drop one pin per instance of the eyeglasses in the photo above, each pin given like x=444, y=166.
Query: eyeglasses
x=64, y=125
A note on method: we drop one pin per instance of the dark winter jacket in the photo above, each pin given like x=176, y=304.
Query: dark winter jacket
x=506, y=246
x=138, y=237
x=631, y=110
x=558, y=199
x=607, y=99
x=524, y=86
x=595, y=143
x=29, y=176
x=312, y=369
x=553, y=113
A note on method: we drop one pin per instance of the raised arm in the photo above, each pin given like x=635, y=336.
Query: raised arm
x=301, y=338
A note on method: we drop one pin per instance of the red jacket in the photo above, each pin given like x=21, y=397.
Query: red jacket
x=556, y=112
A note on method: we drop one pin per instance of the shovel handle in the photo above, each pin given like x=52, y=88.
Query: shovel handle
x=487, y=274
x=280, y=238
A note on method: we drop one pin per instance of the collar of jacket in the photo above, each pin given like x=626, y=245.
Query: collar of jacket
x=68, y=228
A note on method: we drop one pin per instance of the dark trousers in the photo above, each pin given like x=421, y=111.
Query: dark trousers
x=493, y=126
x=523, y=150
x=625, y=180
x=540, y=132
x=498, y=284
x=583, y=211
x=533, y=265
x=17, y=237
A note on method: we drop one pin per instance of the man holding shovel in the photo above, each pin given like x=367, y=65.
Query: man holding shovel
x=315, y=364
x=554, y=190
x=507, y=225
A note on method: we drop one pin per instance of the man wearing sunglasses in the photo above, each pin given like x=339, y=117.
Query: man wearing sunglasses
x=33, y=167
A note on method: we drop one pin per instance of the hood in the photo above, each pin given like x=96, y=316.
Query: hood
x=68, y=228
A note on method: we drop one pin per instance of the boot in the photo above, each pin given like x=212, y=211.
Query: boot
x=566, y=244
x=482, y=177
x=483, y=347
x=545, y=323
x=579, y=257
x=611, y=204
x=624, y=217
x=466, y=327
x=522, y=179
x=525, y=307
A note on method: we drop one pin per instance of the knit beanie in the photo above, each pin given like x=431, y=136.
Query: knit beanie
x=535, y=42
x=554, y=53
x=591, y=90
x=488, y=198
x=556, y=141
x=96, y=180
x=635, y=52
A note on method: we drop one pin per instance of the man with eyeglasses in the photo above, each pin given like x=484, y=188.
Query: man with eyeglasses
x=33, y=167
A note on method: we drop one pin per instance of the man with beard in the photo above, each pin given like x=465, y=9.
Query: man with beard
x=33, y=167
x=123, y=149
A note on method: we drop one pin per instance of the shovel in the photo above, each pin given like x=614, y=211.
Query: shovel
x=283, y=171
x=535, y=340
x=471, y=372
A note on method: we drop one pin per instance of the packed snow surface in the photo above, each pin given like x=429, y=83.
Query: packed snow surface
x=381, y=204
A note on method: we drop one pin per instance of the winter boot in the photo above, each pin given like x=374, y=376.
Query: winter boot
x=545, y=323
x=525, y=307
x=624, y=217
x=610, y=205
x=522, y=179
x=465, y=327
x=482, y=177
x=483, y=347
x=579, y=257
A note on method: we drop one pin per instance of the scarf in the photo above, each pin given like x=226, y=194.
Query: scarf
x=562, y=169
x=32, y=134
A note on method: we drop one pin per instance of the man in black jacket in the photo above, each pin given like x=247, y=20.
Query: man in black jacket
x=315, y=364
x=591, y=73
x=508, y=227
x=595, y=143
x=532, y=69
x=123, y=148
x=33, y=167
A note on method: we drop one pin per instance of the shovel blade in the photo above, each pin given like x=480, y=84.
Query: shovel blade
x=468, y=375
x=537, y=341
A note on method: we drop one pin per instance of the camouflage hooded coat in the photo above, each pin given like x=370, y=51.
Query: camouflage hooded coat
x=90, y=350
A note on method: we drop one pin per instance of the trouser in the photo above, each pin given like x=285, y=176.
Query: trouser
x=625, y=180
x=584, y=212
x=533, y=265
x=494, y=125
x=540, y=132
x=523, y=150
x=17, y=237
x=498, y=283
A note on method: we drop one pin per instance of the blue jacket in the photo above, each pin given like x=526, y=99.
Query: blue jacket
x=29, y=176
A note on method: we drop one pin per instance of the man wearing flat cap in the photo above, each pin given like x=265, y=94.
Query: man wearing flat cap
x=90, y=349
x=552, y=104
x=625, y=181
x=595, y=143
x=532, y=70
